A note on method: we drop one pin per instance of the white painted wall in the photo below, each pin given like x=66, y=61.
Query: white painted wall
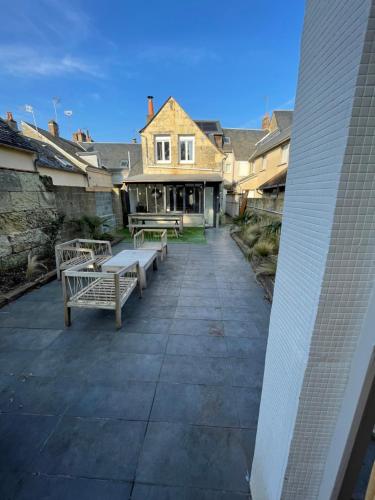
x=16, y=160
x=64, y=178
x=322, y=290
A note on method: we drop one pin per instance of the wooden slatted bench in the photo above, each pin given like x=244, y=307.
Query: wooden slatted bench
x=85, y=288
x=156, y=221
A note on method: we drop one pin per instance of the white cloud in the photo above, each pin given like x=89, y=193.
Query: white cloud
x=19, y=60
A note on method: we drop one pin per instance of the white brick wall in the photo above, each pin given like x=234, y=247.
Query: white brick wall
x=326, y=262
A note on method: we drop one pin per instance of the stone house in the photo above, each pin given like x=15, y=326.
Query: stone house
x=119, y=158
x=239, y=145
x=269, y=161
x=182, y=166
x=98, y=178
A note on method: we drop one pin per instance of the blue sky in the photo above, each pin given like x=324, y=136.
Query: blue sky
x=102, y=58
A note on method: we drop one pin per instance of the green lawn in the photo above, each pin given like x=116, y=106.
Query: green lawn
x=189, y=235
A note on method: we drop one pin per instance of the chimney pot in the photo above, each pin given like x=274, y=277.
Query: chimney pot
x=150, y=108
x=266, y=121
x=134, y=140
x=53, y=128
x=80, y=136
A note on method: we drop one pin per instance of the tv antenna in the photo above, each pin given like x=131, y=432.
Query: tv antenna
x=55, y=102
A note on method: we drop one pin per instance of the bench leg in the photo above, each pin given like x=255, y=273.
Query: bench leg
x=67, y=316
x=118, y=318
x=155, y=263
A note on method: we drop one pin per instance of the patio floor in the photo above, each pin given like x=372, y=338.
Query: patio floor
x=165, y=408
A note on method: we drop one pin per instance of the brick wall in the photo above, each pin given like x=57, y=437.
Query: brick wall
x=326, y=261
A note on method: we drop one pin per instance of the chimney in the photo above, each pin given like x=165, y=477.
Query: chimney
x=80, y=136
x=134, y=140
x=88, y=136
x=53, y=128
x=266, y=120
x=150, y=108
x=11, y=121
x=218, y=140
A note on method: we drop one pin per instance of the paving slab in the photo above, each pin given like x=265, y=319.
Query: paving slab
x=164, y=408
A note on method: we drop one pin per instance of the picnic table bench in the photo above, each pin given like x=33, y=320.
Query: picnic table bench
x=153, y=221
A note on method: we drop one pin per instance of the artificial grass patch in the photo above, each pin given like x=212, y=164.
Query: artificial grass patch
x=189, y=235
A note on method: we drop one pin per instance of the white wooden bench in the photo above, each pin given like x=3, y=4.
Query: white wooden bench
x=77, y=251
x=85, y=288
x=152, y=239
x=160, y=221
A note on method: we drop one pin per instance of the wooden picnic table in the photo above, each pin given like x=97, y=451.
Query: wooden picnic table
x=156, y=221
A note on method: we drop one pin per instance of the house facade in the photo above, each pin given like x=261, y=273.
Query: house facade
x=270, y=158
x=238, y=146
x=182, y=166
x=98, y=178
x=119, y=158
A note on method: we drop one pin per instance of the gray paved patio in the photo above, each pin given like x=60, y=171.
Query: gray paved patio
x=165, y=408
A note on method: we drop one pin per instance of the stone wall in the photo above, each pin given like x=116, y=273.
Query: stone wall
x=27, y=208
x=267, y=203
x=29, y=203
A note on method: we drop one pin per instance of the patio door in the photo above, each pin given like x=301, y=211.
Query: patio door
x=209, y=206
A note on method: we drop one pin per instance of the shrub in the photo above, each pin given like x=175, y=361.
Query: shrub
x=263, y=248
x=272, y=228
x=251, y=234
x=92, y=225
x=33, y=266
x=267, y=267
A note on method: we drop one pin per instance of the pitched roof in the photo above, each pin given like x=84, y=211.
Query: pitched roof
x=70, y=147
x=50, y=158
x=277, y=180
x=278, y=136
x=13, y=138
x=283, y=118
x=242, y=141
x=112, y=153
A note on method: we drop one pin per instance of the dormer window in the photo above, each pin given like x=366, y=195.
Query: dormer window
x=163, y=149
x=226, y=140
x=124, y=164
x=187, y=149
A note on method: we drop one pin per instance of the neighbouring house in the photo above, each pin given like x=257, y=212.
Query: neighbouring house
x=269, y=161
x=238, y=146
x=182, y=166
x=106, y=200
x=99, y=179
x=119, y=158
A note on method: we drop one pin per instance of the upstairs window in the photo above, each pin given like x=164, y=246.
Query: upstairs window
x=227, y=168
x=187, y=149
x=285, y=153
x=226, y=140
x=124, y=163
x=163, y=149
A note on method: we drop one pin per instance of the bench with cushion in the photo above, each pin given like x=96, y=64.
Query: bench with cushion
x=152, y=239
x=78, y=251
x=85, y=288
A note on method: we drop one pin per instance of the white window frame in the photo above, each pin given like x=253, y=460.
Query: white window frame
x=163, y=139
x=226, y=140
x=186, y=138
x=227, y=168
x=285, y=153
